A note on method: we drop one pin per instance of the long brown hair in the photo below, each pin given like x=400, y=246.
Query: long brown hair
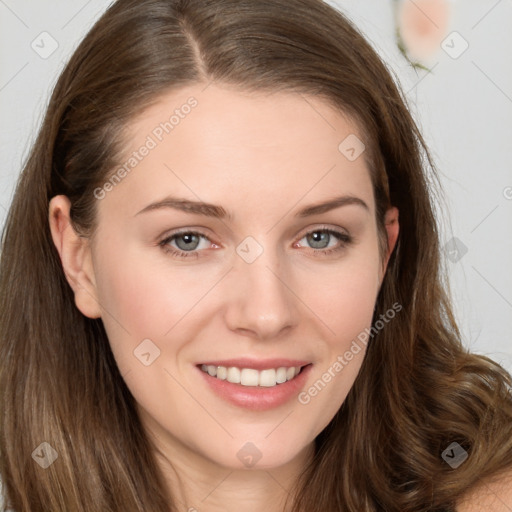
x=418, y=391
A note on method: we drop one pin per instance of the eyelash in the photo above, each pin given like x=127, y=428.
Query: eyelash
x=344, y=238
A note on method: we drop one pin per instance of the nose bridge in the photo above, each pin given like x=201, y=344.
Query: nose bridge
x=261, y=302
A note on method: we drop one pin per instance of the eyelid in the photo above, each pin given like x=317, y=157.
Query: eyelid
x=344, y=240
x=342, y=234
x=201, y=232
x=168, y=237
x=324, y=227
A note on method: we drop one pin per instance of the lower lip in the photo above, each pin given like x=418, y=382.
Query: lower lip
x=257, y=398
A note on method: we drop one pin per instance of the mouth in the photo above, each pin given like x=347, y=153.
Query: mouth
x=269, y=377
x=255, y=384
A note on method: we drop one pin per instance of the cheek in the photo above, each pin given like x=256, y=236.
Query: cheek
x=343, y=295
x=146, y=297
x=147, y=304
x=344, y=304
x=346, y=298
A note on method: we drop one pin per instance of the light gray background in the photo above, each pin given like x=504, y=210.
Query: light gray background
x=463, y=106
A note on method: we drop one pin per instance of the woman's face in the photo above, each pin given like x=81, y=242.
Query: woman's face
x=264, y=281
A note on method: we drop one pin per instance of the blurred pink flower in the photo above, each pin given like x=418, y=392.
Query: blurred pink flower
x=423, y=25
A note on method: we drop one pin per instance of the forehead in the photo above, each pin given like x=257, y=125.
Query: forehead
x=240, y=149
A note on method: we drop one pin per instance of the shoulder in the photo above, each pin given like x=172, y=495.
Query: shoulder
x=495, y=495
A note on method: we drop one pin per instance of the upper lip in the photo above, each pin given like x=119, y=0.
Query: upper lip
x=256, y=364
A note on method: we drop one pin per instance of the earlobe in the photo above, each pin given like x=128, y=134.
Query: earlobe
x=75, y=256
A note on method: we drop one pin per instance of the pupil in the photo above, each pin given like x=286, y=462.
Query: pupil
x=188, y=239
x=318, y=237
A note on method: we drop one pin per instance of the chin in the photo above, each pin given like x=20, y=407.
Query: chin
x=260, y=454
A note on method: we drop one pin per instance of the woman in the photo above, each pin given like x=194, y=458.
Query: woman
x=221, y=274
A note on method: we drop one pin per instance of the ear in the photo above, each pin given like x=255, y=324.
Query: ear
x=75, y=256
x=392, y=229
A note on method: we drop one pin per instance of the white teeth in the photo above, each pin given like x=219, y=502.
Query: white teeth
x=281, y=375
x=233, y=375
x=249, y=377
x=267, y=378
x=252, y=377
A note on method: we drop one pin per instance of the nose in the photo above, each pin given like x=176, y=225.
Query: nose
x=261, y=301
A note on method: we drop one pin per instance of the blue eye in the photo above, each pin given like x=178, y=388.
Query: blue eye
x=190, y=241
x=187, y=243
x=321, y=239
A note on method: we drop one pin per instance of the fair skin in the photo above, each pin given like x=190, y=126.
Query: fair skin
x=263, y=158
x=494, y=495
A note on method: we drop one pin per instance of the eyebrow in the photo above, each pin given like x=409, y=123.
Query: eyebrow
x=218, y=212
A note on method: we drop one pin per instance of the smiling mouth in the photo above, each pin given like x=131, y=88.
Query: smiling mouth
x=250, y=377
